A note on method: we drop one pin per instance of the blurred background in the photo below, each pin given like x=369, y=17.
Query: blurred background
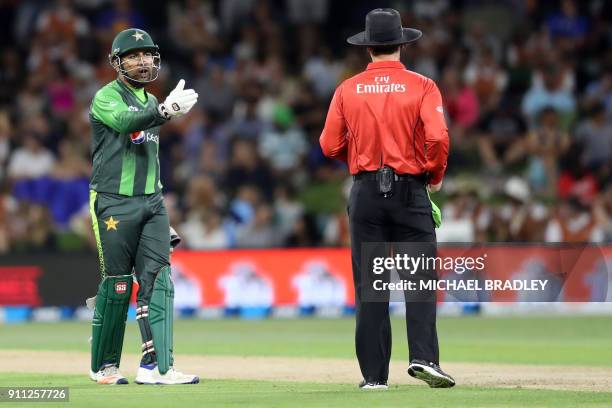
x=527, y=86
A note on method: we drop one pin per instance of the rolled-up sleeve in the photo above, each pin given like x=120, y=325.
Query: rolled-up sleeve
x=436, y=133
x=333, y=140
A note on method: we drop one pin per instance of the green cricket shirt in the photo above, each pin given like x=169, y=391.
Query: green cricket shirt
x=125, y=140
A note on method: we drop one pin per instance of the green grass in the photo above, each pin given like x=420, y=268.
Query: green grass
x=537, y=340
x=84, y=393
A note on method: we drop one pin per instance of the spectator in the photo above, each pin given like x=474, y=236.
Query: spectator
x=60, y=91
x=205, y=232
x=260, y=233
x=466, y=219
x=600, y=92
x=549, y=95
x=11, y=75
x=209, y=162
x=573, y=222
x=36, y=229
x=519, y=218
x=61, y=24
x=602, y=212
x=246, y=168
x=336, y=231
x=30, y=101
x=575, y=179
x=5, y=143
x=8, y=207
x=287, y=209
x=486, y=77
x=201, y=196
x=70, y=185
x=546, y=144
x=302, y=12
x=242, y=207
x=216, y=93
x=193, y=26
x=323, y=73
x=309, y=116
x=568, y=26
x=31, y=160
x=595, y=135
x=245, y=123
x=70, y=164
x=501, y=140
x=461, y=103
x=284, y=145
x=304, y=232
x=120, y=16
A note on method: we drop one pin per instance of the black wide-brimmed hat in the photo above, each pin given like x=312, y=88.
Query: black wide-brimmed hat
x=383, y=26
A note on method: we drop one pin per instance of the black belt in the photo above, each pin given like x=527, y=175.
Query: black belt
x=371, y=175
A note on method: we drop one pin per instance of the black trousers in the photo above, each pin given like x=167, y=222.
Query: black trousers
x=403, y=217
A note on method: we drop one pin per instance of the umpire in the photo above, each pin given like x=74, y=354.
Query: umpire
x=388, y=124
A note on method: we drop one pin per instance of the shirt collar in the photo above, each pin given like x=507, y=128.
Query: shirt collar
x=385, y=64
x=139, y=92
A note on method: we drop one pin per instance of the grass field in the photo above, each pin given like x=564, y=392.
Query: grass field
x=561, y=342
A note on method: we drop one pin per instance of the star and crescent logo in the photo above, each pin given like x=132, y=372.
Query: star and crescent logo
x=138, y=36
x=111, y=223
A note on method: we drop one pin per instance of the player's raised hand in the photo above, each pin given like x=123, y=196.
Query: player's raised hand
x=179, y=101
x=180, y=86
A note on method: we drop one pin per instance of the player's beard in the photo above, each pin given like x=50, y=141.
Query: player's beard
x=139, y=76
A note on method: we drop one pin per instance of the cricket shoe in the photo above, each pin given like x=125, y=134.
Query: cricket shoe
x=431, y=373
x=108, y=375
x=149, y=374
x=373, y=385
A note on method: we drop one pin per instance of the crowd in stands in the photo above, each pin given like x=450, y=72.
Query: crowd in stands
x=527, y=88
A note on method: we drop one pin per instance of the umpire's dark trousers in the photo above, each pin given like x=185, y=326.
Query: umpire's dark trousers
x=403, y=217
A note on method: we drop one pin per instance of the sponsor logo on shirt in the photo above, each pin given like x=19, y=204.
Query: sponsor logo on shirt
x=137, y=137
x=381, y=85
x=133, y=108
x=142, y=136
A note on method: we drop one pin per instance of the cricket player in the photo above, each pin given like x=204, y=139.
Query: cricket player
x=130, y=221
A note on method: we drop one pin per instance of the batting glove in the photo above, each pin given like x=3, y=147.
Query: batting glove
x=179, y=101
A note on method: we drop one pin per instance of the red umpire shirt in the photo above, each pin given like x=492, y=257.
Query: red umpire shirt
x=388, y=115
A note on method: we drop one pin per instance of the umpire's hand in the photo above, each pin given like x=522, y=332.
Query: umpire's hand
x=434, y=188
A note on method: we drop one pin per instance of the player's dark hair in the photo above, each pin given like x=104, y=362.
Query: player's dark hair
x=384, y=49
